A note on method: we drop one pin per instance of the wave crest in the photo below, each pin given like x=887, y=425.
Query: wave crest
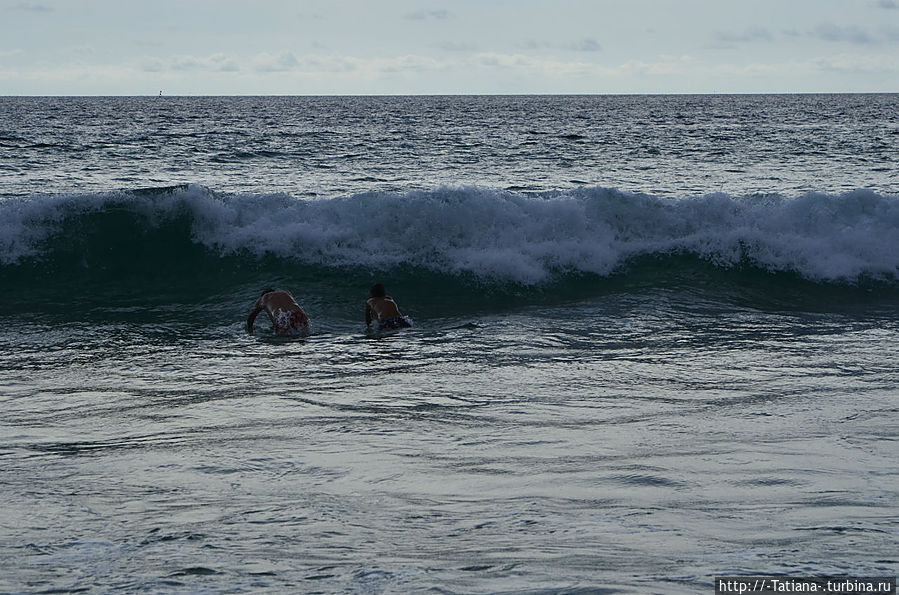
x=490, y=234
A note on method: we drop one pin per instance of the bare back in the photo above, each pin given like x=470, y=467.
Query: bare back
x=383, y=307
x=285, y=313
x=275, y=301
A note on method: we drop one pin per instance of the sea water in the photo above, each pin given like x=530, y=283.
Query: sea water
x=656, y=341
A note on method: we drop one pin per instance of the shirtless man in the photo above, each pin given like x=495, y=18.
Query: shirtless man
x=384, y=309
x=287, y=316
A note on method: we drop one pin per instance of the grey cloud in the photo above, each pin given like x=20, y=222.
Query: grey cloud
x=836, y=33
x=153, y=65
x=586, y=45
x=185, y=63
x=226, y=65
x=454, y=46
x=82, y=51
x=215, y=63
x=426, y=15
x=489, y=61
x=281, y=63
x=149, y=43
x=857, y=64
x=746, y=36
x=335, y=64
x=32, y=7
x=887, y=4
x=533, y=44
x=411, y=64
x=288, y=62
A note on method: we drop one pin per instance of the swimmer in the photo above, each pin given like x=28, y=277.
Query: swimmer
x=286, y=315
x=381, y=306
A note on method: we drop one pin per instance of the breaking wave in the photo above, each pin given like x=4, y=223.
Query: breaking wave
x=490, y=234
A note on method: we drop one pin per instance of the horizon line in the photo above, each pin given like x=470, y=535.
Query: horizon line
x=536, y=94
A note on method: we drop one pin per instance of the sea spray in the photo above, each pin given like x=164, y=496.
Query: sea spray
x=494, y=235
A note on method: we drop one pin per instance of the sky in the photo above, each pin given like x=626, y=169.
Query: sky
x=377, y=47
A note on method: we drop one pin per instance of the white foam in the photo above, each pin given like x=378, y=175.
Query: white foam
x=507, y=236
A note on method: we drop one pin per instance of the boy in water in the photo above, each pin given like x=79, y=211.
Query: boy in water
x=287, y=316
x=382, y=306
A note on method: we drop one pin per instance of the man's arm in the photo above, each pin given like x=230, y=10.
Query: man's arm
x=253, y=313
x=367, y=314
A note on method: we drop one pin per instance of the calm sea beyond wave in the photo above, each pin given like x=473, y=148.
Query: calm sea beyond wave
x=655, y=342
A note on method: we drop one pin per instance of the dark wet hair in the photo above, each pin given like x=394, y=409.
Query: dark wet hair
x=377, y=290
x=267, y=290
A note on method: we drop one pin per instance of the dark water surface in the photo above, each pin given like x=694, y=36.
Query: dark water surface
x=656, y=341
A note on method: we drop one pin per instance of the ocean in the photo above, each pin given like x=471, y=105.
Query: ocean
x=656, y=341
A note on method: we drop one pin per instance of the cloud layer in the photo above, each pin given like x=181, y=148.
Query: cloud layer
x=406, y=46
